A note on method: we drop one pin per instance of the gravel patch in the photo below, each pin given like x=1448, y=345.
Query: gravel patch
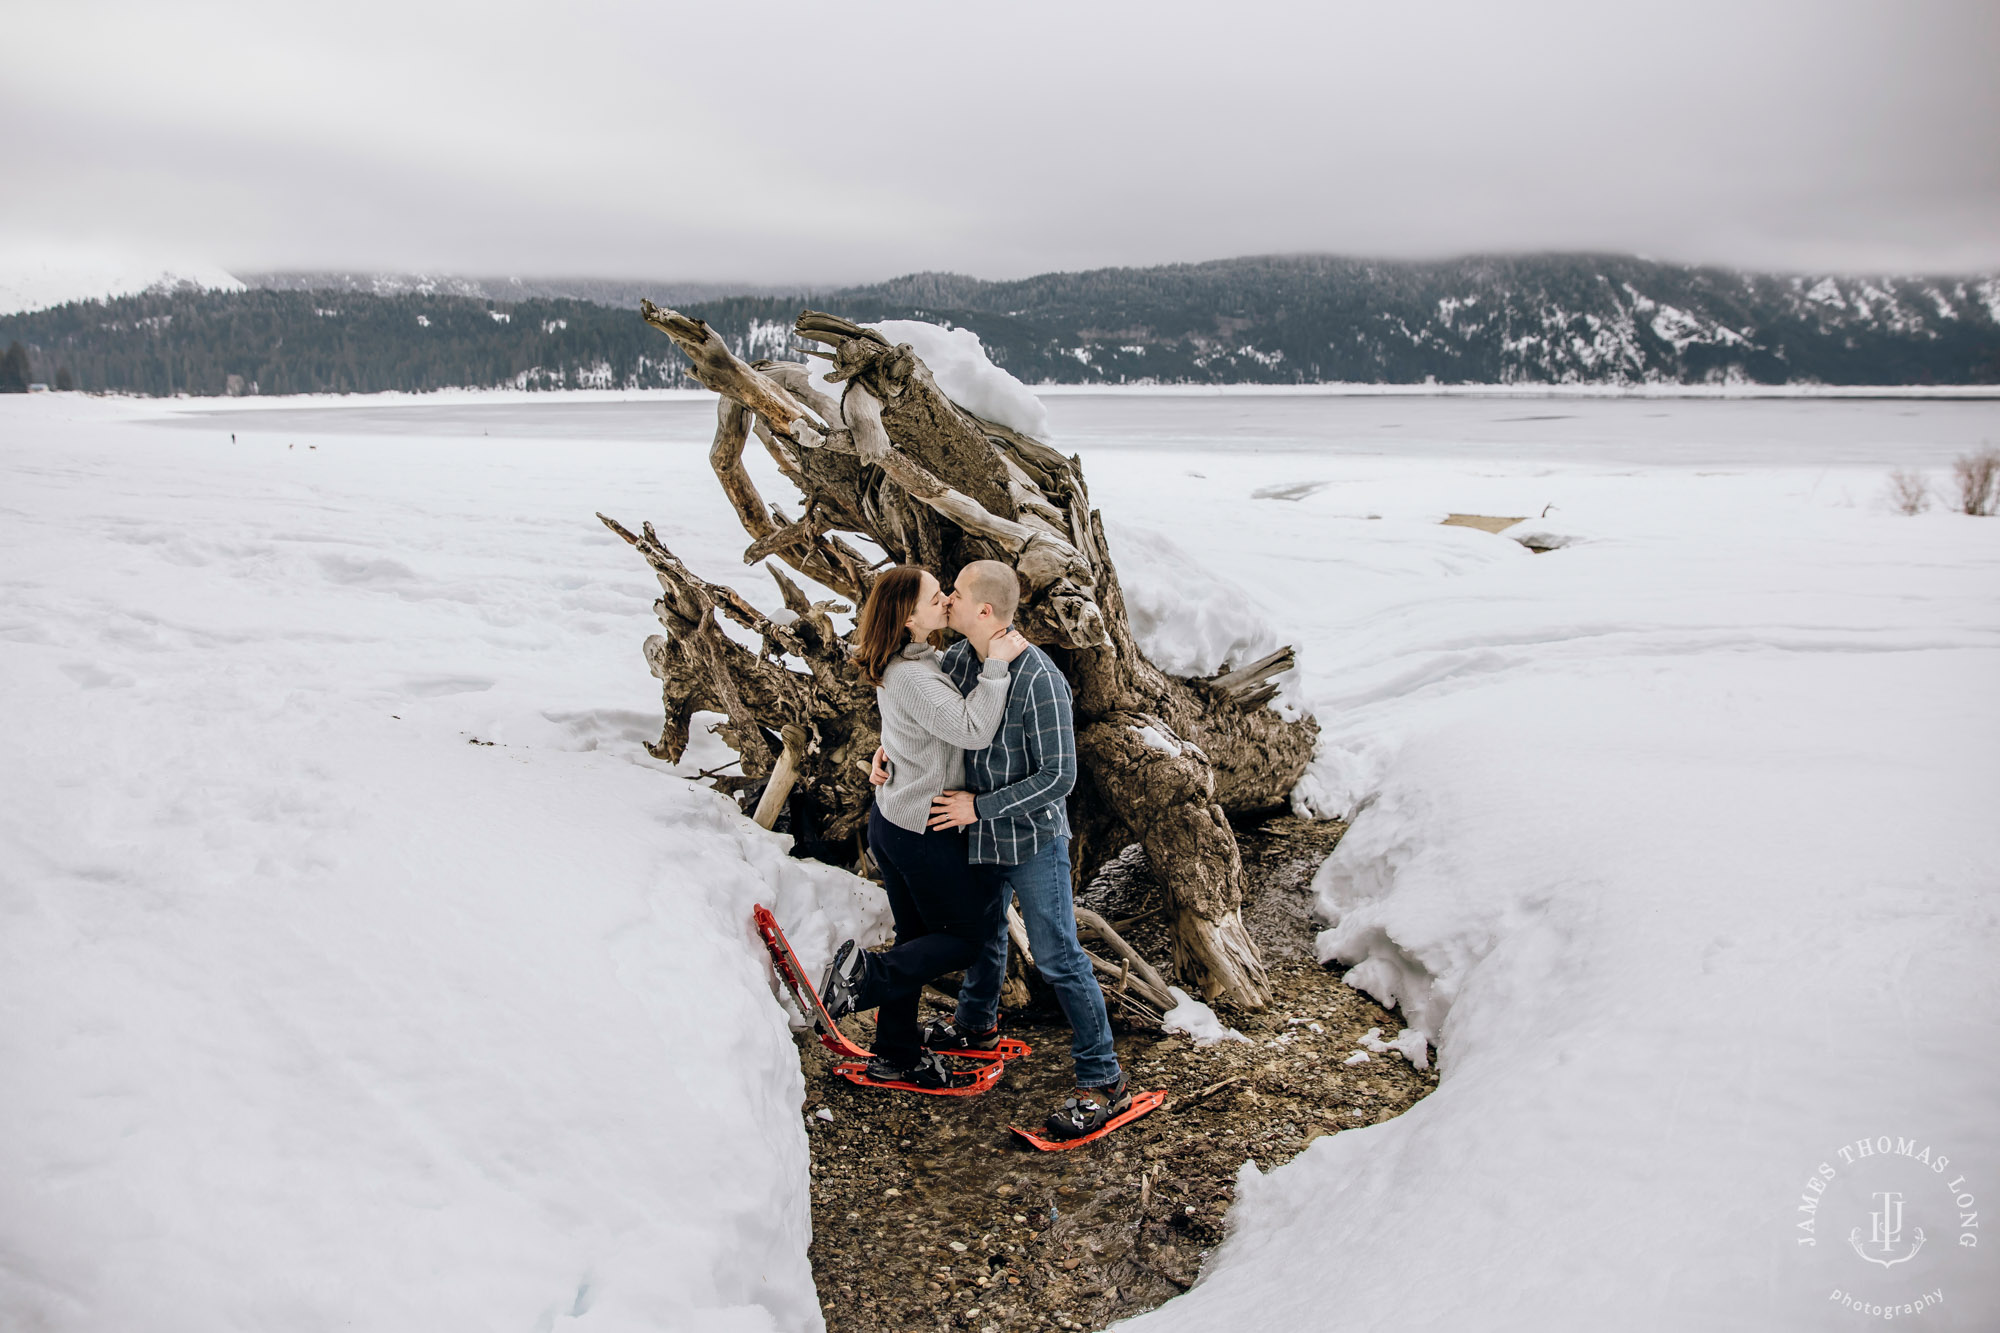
x=927, y=1215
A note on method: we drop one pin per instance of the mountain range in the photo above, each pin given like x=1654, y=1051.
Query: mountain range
x=1299, y=319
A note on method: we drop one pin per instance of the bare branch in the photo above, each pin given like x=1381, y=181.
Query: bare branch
x=721, y=370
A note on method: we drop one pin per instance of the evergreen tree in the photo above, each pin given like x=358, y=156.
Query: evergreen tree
x=14, y=369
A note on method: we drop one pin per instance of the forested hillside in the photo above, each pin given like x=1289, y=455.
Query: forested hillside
x=264, y=341
x=1533, y=319
x=1277, y=320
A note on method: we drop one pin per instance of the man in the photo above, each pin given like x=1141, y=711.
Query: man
x=1021, y=835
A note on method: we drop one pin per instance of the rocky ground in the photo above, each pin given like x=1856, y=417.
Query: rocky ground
x=928, y=1214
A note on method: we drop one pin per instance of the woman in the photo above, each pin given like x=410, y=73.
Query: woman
x=944, y=913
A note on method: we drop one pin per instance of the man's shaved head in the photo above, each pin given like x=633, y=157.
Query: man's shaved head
x=991, y=582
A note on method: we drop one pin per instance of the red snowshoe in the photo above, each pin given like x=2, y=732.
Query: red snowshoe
x=939, y=1080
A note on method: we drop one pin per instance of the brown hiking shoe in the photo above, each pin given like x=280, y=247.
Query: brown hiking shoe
x=944, y=1034
x=1090, y=1110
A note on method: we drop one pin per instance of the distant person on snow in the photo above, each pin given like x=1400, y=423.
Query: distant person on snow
x=1013, y=801
x=944, y=912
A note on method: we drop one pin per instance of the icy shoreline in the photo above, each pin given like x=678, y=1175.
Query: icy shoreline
x=1711, y=392
x=1636, y=392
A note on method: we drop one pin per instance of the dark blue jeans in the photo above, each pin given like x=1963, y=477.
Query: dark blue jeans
x=943, y=911
x=1042, y=884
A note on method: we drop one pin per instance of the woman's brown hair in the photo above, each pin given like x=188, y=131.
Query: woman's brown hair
x=884, y=627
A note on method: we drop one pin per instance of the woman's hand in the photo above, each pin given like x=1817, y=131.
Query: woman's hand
x=1007, y=645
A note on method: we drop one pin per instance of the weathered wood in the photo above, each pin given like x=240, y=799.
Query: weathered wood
x=1234, y=1080
x=1164, y=788
x=1247, y=682
x=783, y=774
x=703, y=669
x=725, y=457
x=1094, y=924
x=888, y=456
x=1041, y=556
x=1131, y=985
x=719, y=369
x=1014, y=987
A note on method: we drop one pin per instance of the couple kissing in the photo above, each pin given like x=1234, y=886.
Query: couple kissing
x=978, y=753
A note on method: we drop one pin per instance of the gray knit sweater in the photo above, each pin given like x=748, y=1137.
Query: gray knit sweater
x=927, y=727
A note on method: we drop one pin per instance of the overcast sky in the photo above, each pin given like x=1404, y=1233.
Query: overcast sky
x=839, y=142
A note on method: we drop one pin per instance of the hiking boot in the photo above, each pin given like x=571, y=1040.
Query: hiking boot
x=842, y=982
x=1090, y=1110
x=944, y=1034
x=928, y=1070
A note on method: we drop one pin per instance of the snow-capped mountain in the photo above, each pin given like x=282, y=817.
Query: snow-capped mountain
x=38, y=278
x=1549, y=319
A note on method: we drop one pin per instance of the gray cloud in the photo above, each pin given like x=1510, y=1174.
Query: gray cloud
x=824, y=144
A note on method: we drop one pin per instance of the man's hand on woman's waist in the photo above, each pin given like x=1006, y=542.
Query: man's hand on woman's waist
x=953, y=809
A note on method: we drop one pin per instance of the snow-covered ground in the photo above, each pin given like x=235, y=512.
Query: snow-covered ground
x=1678, y=842
x=319, y=1015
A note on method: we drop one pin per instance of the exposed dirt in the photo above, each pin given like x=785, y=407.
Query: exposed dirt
x=928, y=1214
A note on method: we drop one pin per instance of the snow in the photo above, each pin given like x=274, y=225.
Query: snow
x=1989, y=295
x=967, y=376
x=1196, y=1021
x=1827, y=292
x=317, y=1014
x=1409, y=1043
x=35, y=277
x=1675, y=844
x=1189, y=619
x=1682, y=330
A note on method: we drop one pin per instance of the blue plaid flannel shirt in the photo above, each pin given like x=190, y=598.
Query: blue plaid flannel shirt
x=1020, y=780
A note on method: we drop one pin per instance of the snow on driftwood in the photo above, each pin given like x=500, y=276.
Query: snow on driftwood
x=967, y=376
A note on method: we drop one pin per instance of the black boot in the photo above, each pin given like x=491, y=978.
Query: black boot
x=842, y=982
x=927, y=1071
x=944, y=1034
x=1090, y=1110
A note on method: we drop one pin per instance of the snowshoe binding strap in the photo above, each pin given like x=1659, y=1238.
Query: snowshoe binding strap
x=837, y=989
x=943, y=1036
x=1141, y=1104
x=932, y=1076
x=1010, y=1048
x=1088, y=1113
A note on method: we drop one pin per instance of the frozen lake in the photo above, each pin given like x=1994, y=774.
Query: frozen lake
x=1691, y=432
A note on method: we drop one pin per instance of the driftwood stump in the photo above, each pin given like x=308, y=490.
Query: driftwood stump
x=1163, y=759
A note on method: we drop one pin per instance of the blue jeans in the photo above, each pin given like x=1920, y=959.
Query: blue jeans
x=1042, y=884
